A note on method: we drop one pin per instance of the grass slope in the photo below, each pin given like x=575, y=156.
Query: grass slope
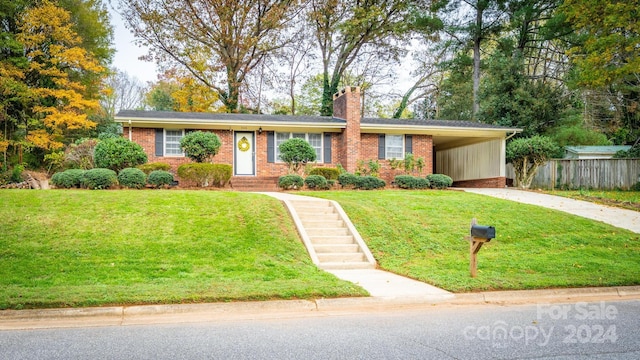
x=88, y=248
x=420, y=234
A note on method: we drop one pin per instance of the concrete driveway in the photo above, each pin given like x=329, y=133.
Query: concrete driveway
x=625, y=219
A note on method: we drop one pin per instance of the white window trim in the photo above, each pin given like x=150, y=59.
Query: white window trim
x=386, y=147
x=164, y=143
x=319, y=159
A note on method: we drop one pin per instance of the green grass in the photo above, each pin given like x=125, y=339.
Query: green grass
x=92, y=248
x=622, y=199
x=420, y=234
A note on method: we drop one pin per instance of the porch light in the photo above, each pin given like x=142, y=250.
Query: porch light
x=260, y=130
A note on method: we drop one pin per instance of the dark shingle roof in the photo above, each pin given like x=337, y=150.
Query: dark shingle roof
x=168, y=115
x=432, y=123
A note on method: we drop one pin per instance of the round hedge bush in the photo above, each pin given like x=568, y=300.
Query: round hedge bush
x=118, y=153
x=67, y=179
x=132, y=178
x=316, y=182
x=439, y=181
x=411, y=182
x=347, y=179
x=99, y=179
x=160, y=178
x=200, y=145
x=292, y=181
x=368, y=183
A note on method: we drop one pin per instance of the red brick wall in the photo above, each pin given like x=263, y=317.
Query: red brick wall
x=422, y=147
x=146, y=138
x=498, y=182
x=346, y=105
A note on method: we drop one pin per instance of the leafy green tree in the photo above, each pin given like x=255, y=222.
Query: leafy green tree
x=118, y=153
x=200, y=145
x=607, y=59
x=509, y=98
x=455, y=96
x=527, y=155
x=296, y=153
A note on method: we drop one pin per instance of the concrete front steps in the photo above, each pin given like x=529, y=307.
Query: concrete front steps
x=331, y=240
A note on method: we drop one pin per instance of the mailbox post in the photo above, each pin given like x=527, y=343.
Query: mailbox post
x=479, y=234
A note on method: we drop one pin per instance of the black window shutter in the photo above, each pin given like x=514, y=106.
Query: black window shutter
x=159, y=142
x=408, y=144
x=271, y=148
x=381, y=147
x=327, y=148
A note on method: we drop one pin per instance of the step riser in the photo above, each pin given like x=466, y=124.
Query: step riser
x=319, y=217
x=332, y=240
x=319, y=224
x=340, y=257
x=345, y=248
x=323, y=232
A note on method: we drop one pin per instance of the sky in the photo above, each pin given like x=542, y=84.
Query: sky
x=127, y=52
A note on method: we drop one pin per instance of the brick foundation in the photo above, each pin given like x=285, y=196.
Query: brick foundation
x=497, y=182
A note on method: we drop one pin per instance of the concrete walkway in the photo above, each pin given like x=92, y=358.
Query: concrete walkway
x=380, y=284
x=625, y=219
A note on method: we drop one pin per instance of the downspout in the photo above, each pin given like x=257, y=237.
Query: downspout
x=130, y=130
x=507, y=138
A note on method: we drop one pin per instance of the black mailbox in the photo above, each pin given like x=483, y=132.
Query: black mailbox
x=482, y=231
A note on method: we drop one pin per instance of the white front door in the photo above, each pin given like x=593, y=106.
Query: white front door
x=244, y=153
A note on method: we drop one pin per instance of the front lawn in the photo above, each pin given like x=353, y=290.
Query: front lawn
x=91, y=248
x=623, y=199
x=420, y=234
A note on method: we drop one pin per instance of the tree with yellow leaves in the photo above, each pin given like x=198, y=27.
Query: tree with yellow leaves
x=54, y=56
x=182, y=93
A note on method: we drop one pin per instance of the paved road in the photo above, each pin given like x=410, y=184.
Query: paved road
x=598, y=330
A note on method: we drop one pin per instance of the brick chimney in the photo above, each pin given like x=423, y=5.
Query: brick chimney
x=346, y=106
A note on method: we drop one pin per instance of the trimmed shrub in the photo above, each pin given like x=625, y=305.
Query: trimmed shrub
x=291, y=181
x=205, y=174
x=200, y=145
x=368, y=183
x=296, y=152
x=149, y=167
x=316, y=182
x=118, y=153
x=439, y=181
x=411, y=182
x=132, y=178
x=158, y=178
x=81, y=155
x=328, y=173
x=71, y=178
x=346, y=179
x=99, y=179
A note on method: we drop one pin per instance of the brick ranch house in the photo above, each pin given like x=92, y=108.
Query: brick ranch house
x=472, y=154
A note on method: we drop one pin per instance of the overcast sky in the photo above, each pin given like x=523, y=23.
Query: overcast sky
x=127, y=53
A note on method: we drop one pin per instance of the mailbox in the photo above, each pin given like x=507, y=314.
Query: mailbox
x=483, y=232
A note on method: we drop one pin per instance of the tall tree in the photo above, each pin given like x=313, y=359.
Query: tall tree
x=59, y=98
x=343, y=28
x=470, y=23
x=218, y=41
x=608, y=57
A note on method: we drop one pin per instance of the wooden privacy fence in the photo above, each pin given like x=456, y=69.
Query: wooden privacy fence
x=603, y=174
